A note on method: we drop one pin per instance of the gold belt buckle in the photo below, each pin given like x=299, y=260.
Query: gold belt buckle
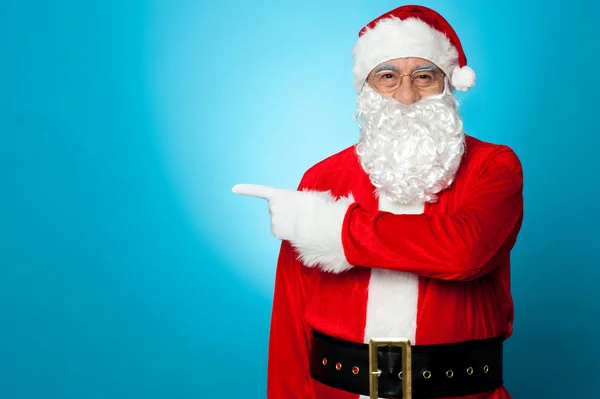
x=374, y=372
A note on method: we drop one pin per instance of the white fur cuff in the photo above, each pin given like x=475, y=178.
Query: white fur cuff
x=318, y=238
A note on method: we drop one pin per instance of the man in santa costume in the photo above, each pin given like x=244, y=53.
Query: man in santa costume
x=406, y=234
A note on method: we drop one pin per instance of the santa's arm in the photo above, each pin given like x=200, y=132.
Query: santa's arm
x=454, y=246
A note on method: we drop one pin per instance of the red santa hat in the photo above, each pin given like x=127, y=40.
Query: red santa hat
x=411, y=31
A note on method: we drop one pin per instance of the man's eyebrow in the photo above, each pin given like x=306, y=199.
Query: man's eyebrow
x=385, y=67
x=426, y=67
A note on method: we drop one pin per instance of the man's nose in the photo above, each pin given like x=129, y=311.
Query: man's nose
x=406, y=93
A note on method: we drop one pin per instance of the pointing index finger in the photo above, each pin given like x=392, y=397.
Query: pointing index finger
x=253, y=190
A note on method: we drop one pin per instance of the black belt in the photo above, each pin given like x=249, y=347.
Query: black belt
x=438, y=371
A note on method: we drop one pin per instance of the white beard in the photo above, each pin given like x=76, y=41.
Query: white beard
x=411, y=152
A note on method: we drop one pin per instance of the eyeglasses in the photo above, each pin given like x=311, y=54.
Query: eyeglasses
x=389, y=80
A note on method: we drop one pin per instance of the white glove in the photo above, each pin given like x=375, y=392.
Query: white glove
x=284, y=206
x=310, y=220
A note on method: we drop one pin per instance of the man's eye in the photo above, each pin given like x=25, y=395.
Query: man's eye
x=387, y=76
x=424, y=77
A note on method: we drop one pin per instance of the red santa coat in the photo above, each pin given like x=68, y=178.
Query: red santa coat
x=435, y=273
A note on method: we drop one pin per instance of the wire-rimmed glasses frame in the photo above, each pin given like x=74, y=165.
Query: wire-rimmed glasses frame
x=389, y=80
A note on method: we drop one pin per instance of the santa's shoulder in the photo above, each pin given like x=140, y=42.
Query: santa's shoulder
x=343, y=162
x=485, y=152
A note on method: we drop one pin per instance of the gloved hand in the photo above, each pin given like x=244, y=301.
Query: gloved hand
x=285, y=206
x=310, y=220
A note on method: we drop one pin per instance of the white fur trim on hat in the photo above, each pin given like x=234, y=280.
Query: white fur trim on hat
x=399, y=38
x=463, y=78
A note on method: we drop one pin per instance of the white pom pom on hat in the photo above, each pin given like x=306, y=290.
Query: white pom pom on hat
x=411, y=31
x=463, y=78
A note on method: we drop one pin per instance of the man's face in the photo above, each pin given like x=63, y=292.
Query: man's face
x=407, y=79
x=411, y=139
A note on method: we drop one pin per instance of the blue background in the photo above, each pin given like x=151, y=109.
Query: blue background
x=127, y=267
